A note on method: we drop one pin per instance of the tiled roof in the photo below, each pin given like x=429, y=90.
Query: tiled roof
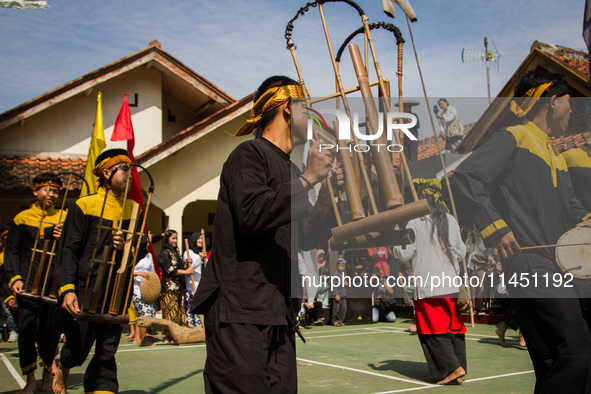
x=427, y=148
x=575, y=140
x=572, y=59
x=17, y=173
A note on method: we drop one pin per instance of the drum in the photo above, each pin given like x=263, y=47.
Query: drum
x=575, y=259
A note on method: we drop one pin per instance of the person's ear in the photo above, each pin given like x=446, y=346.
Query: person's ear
x=286, y=106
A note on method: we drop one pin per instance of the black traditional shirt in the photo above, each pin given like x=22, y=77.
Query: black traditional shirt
x=20, y=242
x=517, y=182
x=578, y=161
x=261, y=205
x=78, y=245
x=170, y=262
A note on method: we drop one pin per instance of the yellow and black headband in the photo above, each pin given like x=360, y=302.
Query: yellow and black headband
x=269, y=100
x=109, y=162
x=532, y=96
x=51, y=183
x=430, y=187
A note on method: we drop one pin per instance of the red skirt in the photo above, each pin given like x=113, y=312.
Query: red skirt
x=438, y=316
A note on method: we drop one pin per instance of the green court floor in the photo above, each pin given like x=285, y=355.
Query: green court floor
x=369, y=358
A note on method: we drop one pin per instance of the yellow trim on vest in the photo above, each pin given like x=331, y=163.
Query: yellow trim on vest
x=529, y=136
x=29, y=368
x=9, y=298
x=490, y=229
x=65, y=288
x=92, y=205
x=14, y=279
x=99, y=392
x=30, y=217
x=578, y=157
x=586, y=217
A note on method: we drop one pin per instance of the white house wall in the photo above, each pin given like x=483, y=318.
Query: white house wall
x=192, y=173
x=67, y=126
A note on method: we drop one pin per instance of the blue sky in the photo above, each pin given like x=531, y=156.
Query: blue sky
x=236, y=44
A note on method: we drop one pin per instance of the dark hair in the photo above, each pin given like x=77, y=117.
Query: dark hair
x=440, y=222
x=165, y=241
x=271, y=82
x=47, y=177
x=533, y=79
x=444, y=100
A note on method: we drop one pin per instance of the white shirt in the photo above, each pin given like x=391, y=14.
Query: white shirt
x=448, y=117
x=197, y=267
x=429, y=260
x=144, y=265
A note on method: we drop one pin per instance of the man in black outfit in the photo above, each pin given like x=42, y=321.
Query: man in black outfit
x=517, y=191
x=263, y=216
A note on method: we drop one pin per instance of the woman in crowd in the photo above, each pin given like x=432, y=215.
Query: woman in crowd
x=143, y=269
x=436, y=252
x=452, y=130
x=173, y=282
x=195, y=257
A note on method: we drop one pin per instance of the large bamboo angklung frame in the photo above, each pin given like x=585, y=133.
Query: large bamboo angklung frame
x=109, y=304
x=378, y=229
x=44, y=285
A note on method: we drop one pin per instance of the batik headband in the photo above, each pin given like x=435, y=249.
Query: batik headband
x=271, y=99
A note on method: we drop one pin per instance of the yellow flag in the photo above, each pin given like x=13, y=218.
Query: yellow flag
x=97, y=144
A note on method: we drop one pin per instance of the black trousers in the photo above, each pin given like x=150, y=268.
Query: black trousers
x=37, y=323
x=444, y=352
x=552, y=324
x=248, y=358
x=101, y=373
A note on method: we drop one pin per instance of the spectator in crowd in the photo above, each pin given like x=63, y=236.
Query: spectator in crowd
x=321, y=259
x=451, y=130
x=173, y=282
x=142, y=270
x=436, y=251
x=381, y=259
x=338, y=294
x=411, y=147
x=7, y=299
x=382, y=301
x=196, y=257
x=314, y=308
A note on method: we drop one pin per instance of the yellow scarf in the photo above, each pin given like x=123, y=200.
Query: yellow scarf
x=269, y=100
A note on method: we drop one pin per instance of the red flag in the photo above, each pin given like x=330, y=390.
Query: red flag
x=123, y=131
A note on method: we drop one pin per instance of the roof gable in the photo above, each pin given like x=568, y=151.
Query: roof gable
x=174, y=73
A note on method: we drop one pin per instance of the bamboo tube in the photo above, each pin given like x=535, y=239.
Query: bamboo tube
x=382, y=220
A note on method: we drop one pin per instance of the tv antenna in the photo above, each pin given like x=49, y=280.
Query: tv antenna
x=473, y=55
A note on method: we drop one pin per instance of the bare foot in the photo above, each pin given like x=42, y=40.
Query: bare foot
x=522, y=340
x=459, y=380
x=501, y=336
x=30, y=386
x=60, y=382
x=413, y=328
x=129, y=336
x=454, y=375
x=47, y=382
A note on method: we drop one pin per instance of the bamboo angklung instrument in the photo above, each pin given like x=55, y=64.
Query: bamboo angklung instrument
x=383, y=164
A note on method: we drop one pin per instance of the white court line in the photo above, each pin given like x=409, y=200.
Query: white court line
x=366, y=372
x=465, y=382
x=19, y=380
x=392, y=330
x=498, y=376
